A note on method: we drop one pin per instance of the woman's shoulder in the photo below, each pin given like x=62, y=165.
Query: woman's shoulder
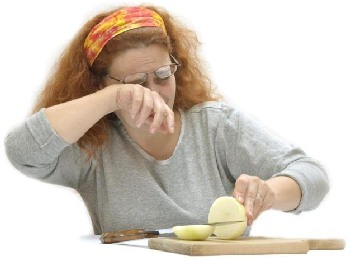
x=214, y=108
x=213, y=114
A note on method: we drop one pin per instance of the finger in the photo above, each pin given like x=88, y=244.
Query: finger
x=146, y=109
x=159, y=112
x=170, y=120
x=241, y=191
x=250, y=197
x=137, y=99
x=267, y=204
x=258, y=203
x=251, y=192
x=241, y=185
x=163, y=127
x=260, y=197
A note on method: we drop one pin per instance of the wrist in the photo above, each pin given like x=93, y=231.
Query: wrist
x=287, y=193
x=109, y=95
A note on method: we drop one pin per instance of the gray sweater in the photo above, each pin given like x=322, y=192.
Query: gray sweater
x=126, y=188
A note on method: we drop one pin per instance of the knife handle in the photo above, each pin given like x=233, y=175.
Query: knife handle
x=126, y=235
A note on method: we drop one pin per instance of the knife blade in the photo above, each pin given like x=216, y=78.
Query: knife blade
x=132, y=234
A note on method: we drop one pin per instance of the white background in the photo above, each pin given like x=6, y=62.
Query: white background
x=285, y=62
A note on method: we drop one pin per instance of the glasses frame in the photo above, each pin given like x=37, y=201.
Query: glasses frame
x=174, y=62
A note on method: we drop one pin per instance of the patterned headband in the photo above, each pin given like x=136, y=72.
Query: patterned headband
x=119, y=22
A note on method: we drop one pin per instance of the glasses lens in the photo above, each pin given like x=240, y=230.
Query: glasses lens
x=166, y=71
x=136, y=78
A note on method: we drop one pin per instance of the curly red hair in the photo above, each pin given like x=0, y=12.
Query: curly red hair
x=72, y=77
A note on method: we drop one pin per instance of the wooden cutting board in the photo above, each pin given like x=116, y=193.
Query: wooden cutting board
x=244, y=246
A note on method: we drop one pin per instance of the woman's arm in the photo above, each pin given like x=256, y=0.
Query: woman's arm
x=287, y=193
x=268, y=171
x=72, y=119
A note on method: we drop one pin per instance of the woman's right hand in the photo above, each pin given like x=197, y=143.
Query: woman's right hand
x=144, y=107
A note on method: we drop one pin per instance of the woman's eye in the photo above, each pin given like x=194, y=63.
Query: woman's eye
x=163, y=79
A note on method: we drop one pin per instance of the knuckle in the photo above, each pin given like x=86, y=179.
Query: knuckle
x=243, y=180
x=138, y=99
x=154, y=93
x=148, y=105
x=255, y=179
x=138, y=86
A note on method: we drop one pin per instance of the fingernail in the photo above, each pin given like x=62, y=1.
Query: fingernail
x=152, y=131
x=240, y=199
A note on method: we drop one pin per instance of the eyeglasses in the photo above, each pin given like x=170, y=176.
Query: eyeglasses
x=162, y=73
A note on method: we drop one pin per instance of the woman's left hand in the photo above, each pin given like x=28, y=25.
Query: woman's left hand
x=255, y=194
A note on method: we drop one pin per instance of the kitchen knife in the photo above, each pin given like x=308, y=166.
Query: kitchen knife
x=132, y=234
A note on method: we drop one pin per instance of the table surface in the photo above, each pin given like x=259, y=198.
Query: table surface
x=90, y=247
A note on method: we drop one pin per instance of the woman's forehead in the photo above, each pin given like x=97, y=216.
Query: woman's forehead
x=140, y=59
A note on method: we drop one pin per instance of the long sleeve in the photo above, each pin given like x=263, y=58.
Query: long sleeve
x=247, y=147
x=38, y=152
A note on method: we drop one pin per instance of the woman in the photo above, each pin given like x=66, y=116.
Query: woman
x=130, y=121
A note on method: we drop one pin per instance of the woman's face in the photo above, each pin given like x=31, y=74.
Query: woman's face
x=145, y=59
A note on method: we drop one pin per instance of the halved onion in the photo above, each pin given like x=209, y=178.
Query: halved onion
x=228, y=209
x=193, y=232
